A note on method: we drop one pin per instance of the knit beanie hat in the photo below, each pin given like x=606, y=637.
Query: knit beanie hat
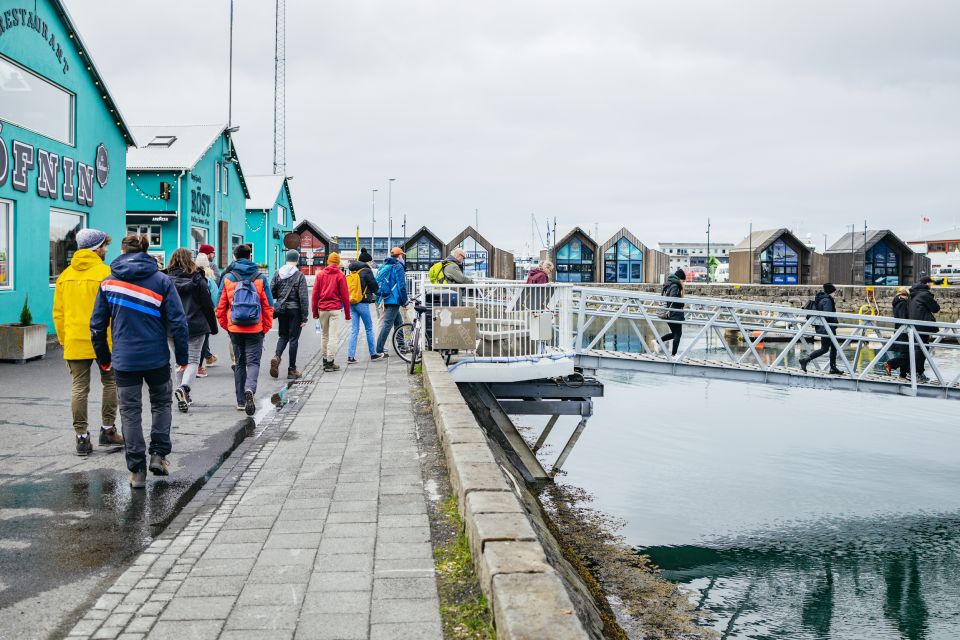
x=333, y=258
x=829, y=288
x=90, y=238
x=293, y=255
x=364, y=255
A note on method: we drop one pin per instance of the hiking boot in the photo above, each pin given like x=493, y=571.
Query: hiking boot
x=159, y=466
x=211, y=360
x=275, y=367
x=248, y=404
x=84, y=445
x=294, y=374
x=201, y=372
x=138, y=479
x=330, y=365
x=109, y=437
x=922, y=379
x=835, y=371
x=182, y=394
x=888, y=368
x=351, y=361
x=803, y=364
x=378, y=356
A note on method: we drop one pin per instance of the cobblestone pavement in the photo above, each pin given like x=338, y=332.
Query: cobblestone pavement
x=316, y=529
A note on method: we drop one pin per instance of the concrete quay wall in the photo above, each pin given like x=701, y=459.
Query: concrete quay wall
x=849, y=298
x=526, y=594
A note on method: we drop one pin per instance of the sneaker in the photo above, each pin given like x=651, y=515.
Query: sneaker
x=201, y=373
x=803, y=364
x=182, y=394
x=211, y=360
x=888, y=368
x=109, y=437
x=836, y=372
x=294, y=374
x=922, y=379
x=387, y=355
x=275, y=367
x=84, y=446
x=351, y=361
x=249, y=405
x=159, y=466
x=379, y=356
x=241, y=407
x=138, y=479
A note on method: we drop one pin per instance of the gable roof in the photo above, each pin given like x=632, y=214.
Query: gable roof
x=576, y=230
x=265, y=190
x=306, y=225
x=84, y=53
x=760, y=240
x=622, y=233
x=470, y=232
x=854, y=242
x=423, y=231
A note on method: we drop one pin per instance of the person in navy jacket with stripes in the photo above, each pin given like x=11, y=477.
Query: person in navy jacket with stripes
x=141, y=308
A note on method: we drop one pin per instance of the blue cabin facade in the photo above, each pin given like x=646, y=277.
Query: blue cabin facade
x=270, y=217
x=63, y=147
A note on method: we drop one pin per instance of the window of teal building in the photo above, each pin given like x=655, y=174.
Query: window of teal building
x=198, y=236
x=575, y=262
x=779, y=264
x=235, y=241
x=64, y=226
x=422, y=254
x=881, y=266
x=281, y=215
x=152, y=231
x=623, y=262
x=6, y=244
x=35, y=103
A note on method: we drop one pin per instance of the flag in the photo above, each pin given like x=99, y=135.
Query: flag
x=358, y=242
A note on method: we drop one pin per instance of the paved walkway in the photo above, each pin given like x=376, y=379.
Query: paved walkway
x=318, y=530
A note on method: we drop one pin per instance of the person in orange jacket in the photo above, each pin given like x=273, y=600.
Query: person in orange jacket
x=245, y=310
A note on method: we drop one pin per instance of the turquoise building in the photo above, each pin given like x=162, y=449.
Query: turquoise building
x=185, y=188
x=269, y=217
x=63, y=146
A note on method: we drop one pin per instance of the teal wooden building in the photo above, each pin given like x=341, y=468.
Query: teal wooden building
x=270, y=216
x=63, y=146
x=185, y=187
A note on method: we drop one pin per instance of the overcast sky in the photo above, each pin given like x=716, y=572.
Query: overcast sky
x=648, y=114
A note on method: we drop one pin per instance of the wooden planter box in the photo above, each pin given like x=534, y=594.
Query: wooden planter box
x=21, y=343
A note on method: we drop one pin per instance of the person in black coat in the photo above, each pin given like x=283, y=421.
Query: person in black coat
x=923, y=307
x=824, y=302
x=674, y=289
x=291, y=310
x=900, y=349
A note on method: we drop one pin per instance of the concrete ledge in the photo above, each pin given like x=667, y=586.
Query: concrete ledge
x=526, y=594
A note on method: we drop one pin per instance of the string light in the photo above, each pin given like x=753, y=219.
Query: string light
x=262, y=222
x=144, y=194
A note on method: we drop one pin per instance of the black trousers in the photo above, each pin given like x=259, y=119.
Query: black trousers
x=826, y=344
x=289, y=328
x=676, y=330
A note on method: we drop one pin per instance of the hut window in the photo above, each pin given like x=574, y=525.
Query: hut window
x=881, y=266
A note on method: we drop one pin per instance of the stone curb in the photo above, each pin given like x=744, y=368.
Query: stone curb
x=526, y=594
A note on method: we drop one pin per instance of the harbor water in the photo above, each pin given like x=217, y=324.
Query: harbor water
x=788, y=513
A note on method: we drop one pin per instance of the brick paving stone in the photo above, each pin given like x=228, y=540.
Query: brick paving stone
x=322, y=535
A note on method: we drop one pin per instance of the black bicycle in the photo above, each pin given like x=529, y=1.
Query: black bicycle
x=407, y=340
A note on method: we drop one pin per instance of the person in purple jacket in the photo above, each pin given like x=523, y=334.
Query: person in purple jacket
x=141, y=307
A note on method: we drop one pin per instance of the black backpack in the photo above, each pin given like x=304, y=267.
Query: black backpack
x=811, y=305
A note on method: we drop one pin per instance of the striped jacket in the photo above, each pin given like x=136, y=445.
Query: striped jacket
x=141, y=307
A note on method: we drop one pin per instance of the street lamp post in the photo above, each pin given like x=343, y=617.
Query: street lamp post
x=373, y=223
x=708, y=250
x=390, y=213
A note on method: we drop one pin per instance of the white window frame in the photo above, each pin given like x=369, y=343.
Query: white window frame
x=225, y=179
x=10, y=205
x=253, y=252
x=216, y=177
x=148, y=234
x=206, y=236
x=281, y=215
x=83, y=224
x=72, y=126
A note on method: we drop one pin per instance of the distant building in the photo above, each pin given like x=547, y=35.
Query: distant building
x=942, y=248
x=574, y=256
x=623, y=258
x=683, y=255
x=315, y=246
x=483, y=260
x=875, y=257
x=270, y=217
x=775, y=256
x=379, y=248
x=423, y=249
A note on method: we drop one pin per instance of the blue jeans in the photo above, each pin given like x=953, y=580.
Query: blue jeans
x=391, y=319
x=360, y=312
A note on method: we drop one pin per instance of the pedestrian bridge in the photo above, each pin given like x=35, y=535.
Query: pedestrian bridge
x=526, y=332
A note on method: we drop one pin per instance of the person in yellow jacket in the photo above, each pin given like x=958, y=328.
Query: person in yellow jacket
x=73, y=299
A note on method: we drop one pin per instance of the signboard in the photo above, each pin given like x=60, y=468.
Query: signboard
x=291, y=240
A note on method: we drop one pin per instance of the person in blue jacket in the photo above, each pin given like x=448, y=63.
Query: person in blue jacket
x=392, y=292
x=141, y=307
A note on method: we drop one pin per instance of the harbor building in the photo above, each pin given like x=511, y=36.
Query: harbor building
x=315, y=246
x=943, y=249
x=185, y=188
x=684, y=255
x=776, y=256
x=379, y=247
x=63, y=147
x=623, y=258
x=422, y=249
x=875, y=257
x=270, y=217
x=574, y=256
x=483, y=260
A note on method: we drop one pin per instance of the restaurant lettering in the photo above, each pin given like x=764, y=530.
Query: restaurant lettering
x=25, y=18
x=62, y=178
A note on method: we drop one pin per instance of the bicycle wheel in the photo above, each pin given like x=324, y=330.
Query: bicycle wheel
x=403, y=340
x=415, y=353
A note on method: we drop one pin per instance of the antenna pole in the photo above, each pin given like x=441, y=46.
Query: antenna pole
x=279, y=90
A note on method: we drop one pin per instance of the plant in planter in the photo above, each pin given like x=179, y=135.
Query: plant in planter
x=22, y=341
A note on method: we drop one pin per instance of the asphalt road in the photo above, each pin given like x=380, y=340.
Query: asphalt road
x=70, y=525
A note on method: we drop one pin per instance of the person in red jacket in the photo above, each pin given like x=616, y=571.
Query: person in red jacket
x=541, y=274
x=246, y=324
x=330, y=295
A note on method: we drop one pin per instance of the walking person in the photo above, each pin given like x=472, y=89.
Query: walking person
x=901, y=349
x=245, y=310
x=392, y=293
x=365, y=257
x=923, y=307
x=73, y=299
x=673, y=288
x=211, y=254
x=541, y=274
x=140, y=306
x=207, y=358
x=330, y=296
x=362, y=287
x=824, y=302
x=291, y=310
x=208, y=253
x=194, y=292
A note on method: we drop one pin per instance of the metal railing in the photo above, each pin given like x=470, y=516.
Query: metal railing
x=765, y=337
